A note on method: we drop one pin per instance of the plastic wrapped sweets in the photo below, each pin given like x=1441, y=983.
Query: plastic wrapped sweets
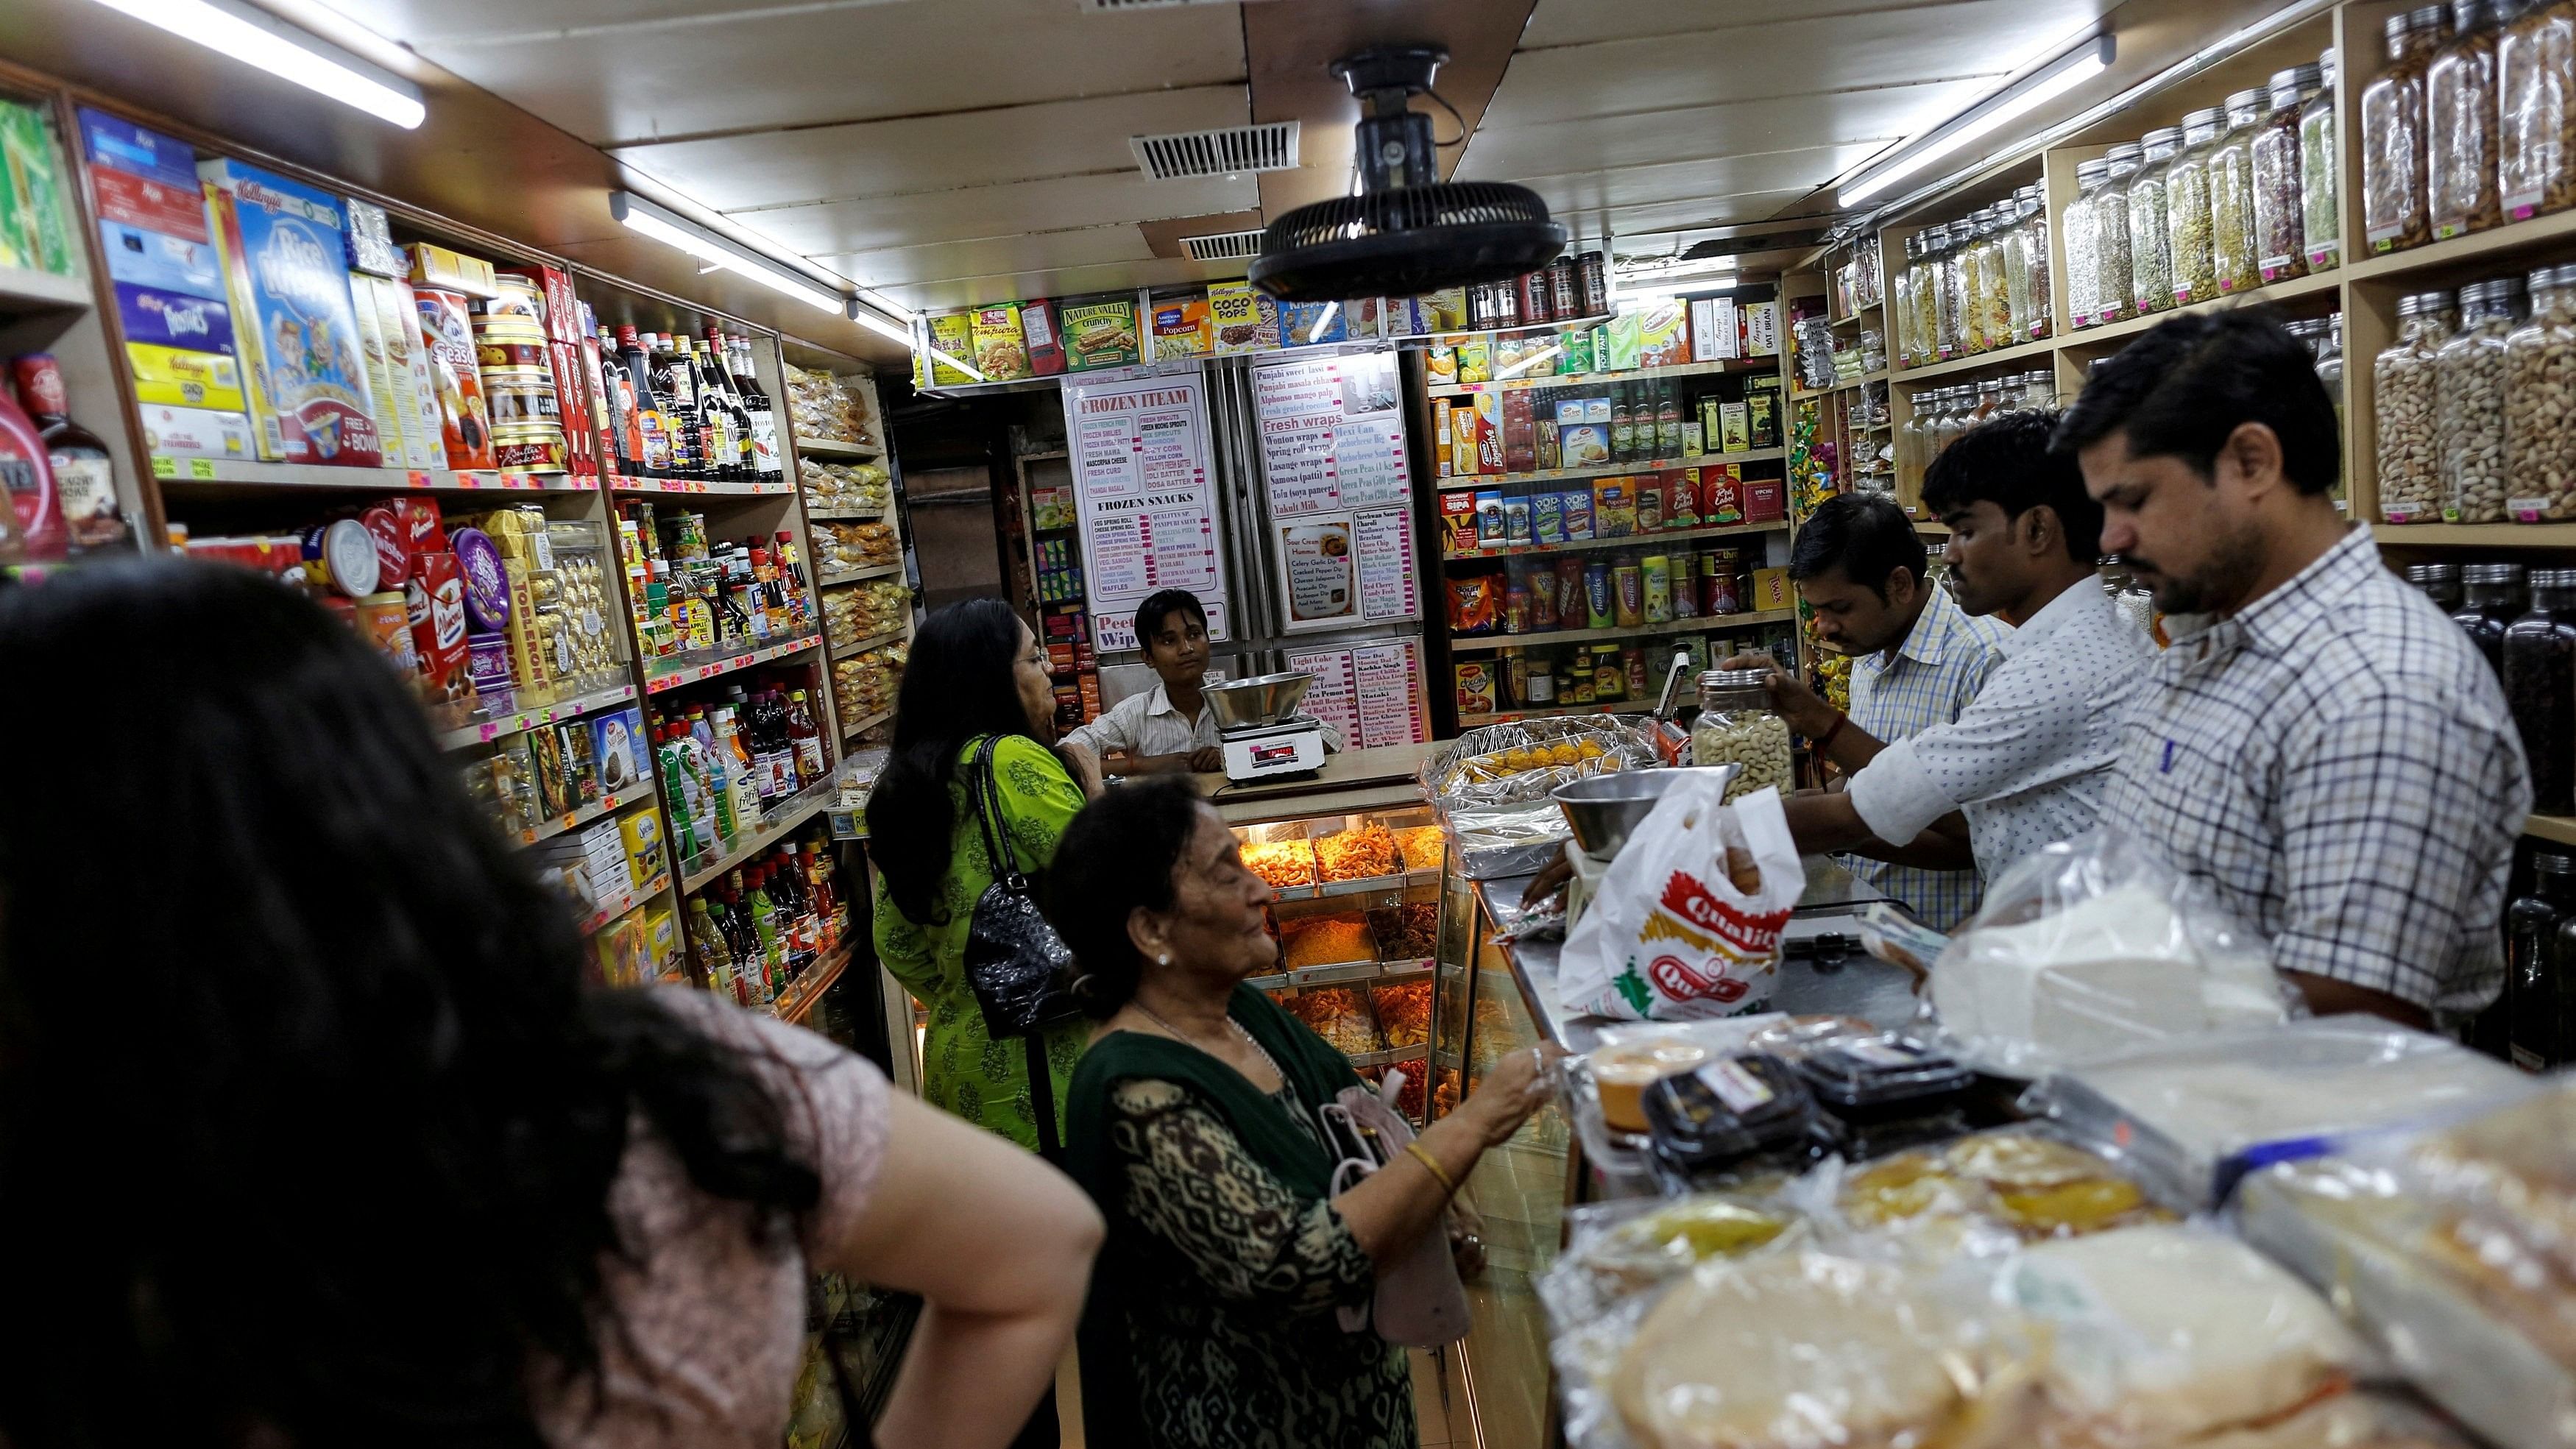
x=2090, y=947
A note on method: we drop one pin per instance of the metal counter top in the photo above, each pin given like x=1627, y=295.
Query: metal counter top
x=1861, y=986
x=1385, y=778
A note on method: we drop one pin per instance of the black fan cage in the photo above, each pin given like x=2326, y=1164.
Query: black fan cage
x=1400, y=242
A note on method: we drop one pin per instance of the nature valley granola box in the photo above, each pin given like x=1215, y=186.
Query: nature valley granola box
x=1099, y=332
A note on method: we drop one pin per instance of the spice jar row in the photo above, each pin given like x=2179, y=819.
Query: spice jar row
x=1594, y=674
x=2472, y=123
x=1975, y=284
x=2476, y=403
x=1941, y=414
x=2525, y=625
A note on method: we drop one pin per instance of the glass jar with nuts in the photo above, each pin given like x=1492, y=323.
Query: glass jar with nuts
x=2280, y=248
x=2540, y=402
x=1993, y=299
x=2111, y=234
x=2187, y=208
x=2150, y=267
x=2460, y=125
x=2032, y=203
x=2083, y=271
x=2469, y=401
x=2392, y=134
x=1737, y=726
x=2409, y=465
x=2536, y=110
x=2231, y=196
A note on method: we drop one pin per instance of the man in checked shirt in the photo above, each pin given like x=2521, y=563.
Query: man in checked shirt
x=2319, y=743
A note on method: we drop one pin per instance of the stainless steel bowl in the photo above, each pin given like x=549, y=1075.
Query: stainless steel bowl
x=1263, y=699
x=1602, y=809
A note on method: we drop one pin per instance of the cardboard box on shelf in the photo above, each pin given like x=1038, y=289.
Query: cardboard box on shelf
x=294, y=321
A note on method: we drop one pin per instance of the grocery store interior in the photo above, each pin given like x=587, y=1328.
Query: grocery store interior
x=640, y=378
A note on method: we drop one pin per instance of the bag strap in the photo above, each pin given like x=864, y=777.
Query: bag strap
x=1042, y=1098
x=986, y=796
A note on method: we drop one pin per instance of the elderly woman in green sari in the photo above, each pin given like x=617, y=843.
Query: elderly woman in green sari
x=1193, y=1122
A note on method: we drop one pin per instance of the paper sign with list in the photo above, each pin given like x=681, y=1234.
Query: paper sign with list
x=1329, y=698
x=1372, y=695
x=1148, y=515
x=1332, y=449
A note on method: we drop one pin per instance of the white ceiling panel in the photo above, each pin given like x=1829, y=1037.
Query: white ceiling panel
x=1804, y=169
x=965, y=213
x=1588, y=223
x=1590, y=22
x=948, y=296
x=1089, y=246
x=609, y=72
x=1560, y=148
x=1802, y=57
x=935, y=152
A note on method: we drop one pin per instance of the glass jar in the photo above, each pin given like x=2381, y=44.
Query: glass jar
x=2440, y=583
x=2534, y=964
x=1994, y=304
x=1949, y=295
x=1975, y=260
x=1927, y=301
x=2469, y=395
x=1989, y=401
x=2040, y=389
x=2330, y=372
x=2231, y=196
x=1865, y=272
x=2401, y=384
x=2016, y=259
x=2280, y=249
x=2540, y=403
x=1900, y=318
x=2492, y=598
x=2111, y=235
x=2540, y=688
x=2032, y=203
x=2536, y=111
x=2187, y=209
x=1737, y=726
x=2320, y=184
x=2460, y=125
x=2392, y=134
x=2083, y=270
x=2150, y=266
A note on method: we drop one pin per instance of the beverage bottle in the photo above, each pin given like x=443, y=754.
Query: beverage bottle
x=675, y=784
x=742, y=932
x=766, y=463
x=715, y=959
x=765, y=923
x=808, y=739
x=673, y=383
x=715, y=392
x=746, y=778
x=652, y=425
x=791, y=575
x=715, y=436
x=782, y=745
x=27, y=473
x=720, y=793
x=84, y=479
x=617, y=398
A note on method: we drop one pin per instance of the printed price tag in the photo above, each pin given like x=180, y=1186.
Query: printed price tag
x=201, y=468
x=164, y=466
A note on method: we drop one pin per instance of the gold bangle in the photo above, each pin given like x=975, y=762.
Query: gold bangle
x=1432, y=1163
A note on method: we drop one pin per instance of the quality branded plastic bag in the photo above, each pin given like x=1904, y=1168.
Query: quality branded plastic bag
x=1686, y=925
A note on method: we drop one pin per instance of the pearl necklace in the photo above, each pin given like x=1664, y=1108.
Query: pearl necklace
x=1187, y=1040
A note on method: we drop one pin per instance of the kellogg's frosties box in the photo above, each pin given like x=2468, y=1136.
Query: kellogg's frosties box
x=285, y=263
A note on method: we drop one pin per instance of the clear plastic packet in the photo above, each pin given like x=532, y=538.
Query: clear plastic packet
x=1506, y=763
x=2479, y=1338
x=1896, y=938
x=1733, y=1119
x=2195, y=1115
x=1639, y=1245
x=1499, y=840
x=1986, y=1192
x=2094, y=946
x=1686, y=923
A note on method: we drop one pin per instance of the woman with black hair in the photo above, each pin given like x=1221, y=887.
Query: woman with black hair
x=977, y=677
x=1194, y=1122
x=312, y=1135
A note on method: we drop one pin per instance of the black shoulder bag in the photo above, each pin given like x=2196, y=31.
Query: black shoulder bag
x=1021, y=971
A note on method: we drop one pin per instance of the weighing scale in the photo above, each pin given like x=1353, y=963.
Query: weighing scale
x=1263, y=736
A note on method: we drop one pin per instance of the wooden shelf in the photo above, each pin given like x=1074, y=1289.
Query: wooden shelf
x=241, y=472
x=2043, y=350
x=618, y=906
x=777, y=822
x=26, y=289
x=873, y=641
x=2476, y=535
x=1484, y=643
x=678, y=670
x=807, y=989
x=1461, y=482
x=873, y=571
x=620, y=483
x=1603, y=379
x=1625, y=540
x=852, y=732
x=493, y=729
x=844, y=515
x=2276, y=292
x=2497, y=244
x=827, y=448
x=2557, y=829
x=574, y=820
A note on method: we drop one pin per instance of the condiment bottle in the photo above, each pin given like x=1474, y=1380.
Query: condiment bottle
x=2540, y=688
x=2492, y=599
x=2535, y=926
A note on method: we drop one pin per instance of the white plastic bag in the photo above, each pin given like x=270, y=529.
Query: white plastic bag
x=2091, y=947
x=1671, y=935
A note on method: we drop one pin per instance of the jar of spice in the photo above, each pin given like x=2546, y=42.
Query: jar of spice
x=1737, y=726
x=2150, y=267
x=2439, y=582
x=1900, y=318
x=2083, y=271
x=2469, y=396
x=2460, y=124
x=2280, y=245
x=2111, y=235
x=2540, y=403
x=2330, y=372
x=2016, y=261
x=2187, y=209
x=2032, y=203
x=2320, y=184
x=2491, y=599
x=1987, y=326
x=2536, y=110
x=2392, y=134
x=2402, y=383
x=1926, y=326
x=2540, y=688
x=2534, y=964
x=2231, y=196
x=1949, y=288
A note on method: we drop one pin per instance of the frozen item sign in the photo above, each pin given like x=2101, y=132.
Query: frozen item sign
x=1148, y=515
x=295, y=325
x=1332, y=452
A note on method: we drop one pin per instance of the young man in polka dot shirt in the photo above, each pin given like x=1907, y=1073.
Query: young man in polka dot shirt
x=2026, y=763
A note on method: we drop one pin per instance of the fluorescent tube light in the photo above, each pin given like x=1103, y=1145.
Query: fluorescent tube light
x=877, y=322
x=672, y=229
x=1992, y=114
x=960, y=364
x=257, y=38
x=1323, y=320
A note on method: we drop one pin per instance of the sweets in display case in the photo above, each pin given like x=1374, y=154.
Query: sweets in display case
x=1326, y=941
x=1281, y=862
x=1338, y=1014
x=1359, y=853
x=1403, y=1011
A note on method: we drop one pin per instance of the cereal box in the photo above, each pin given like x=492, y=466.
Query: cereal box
x=1181, y=328
x=1663, y=335
x=1462, y=438
x=1001, y=349
x=1547, y=517
x=1489, y=432
x=1576, y=503
x=173, y=432
x=1623, y=339
x=1234, y=311
x=1614, y=508
x=176, y=378
x=1762, y=329
x=1458, y=523
x=1714, y=331
x=1307, y=324
x=174, y=319
x=294, y=323
x=1098, y=332
x=407, y=369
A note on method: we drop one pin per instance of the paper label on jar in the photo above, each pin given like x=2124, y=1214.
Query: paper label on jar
x=2384, y=238
x=2521, y=205
x=1739, y=1089
x=2397, y=512
x=2325, y=255
x=2275, y=268
x=2182, y=294
x=2527, y=510
x=2445, y=230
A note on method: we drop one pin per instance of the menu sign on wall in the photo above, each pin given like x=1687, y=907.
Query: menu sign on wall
x=1139, y=448
x=1371, y=693
x=1332, y=451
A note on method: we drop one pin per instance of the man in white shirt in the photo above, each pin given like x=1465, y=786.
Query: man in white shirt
x=2027, y=761
x=1170, y=728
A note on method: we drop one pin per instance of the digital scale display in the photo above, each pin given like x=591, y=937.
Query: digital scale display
x=1273, y=754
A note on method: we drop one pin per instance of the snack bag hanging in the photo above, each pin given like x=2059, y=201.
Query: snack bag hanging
x=1686, y=925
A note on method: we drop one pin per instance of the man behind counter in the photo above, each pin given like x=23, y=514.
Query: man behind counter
x=1917, y=660
x=2326, y=750
x=1170, y=728
x=2027, y=761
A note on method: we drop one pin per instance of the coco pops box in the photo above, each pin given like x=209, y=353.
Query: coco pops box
x=297, y=330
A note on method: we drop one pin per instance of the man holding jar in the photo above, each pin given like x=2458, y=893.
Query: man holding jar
x=2319, y=744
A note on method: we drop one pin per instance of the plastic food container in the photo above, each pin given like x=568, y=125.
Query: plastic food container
x=1888, y=1092
x=1731, y=1117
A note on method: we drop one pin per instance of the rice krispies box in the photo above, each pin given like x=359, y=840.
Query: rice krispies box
x=293, y=320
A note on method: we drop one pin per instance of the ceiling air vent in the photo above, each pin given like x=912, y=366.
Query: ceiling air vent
x=1235, y=149
x=1226, y=246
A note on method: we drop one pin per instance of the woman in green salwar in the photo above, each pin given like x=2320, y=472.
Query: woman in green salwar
x=976, y=672
x=1193, y=1123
